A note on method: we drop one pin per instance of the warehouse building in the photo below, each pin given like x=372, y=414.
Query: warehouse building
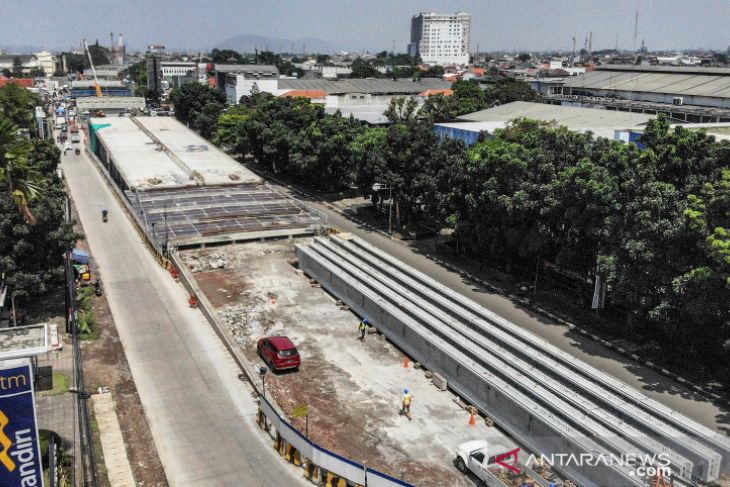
x=602, y=123
x=690, y=94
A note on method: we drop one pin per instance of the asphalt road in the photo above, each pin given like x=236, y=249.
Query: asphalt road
x=201, y=416
x=651, y=383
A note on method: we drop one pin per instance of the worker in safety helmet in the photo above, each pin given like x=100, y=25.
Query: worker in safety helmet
x=407, y=399
x=363, y=328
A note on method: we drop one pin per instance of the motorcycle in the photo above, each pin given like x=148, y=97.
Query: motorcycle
x=104, y=215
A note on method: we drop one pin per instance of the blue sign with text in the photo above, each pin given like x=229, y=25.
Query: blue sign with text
x=20, y=458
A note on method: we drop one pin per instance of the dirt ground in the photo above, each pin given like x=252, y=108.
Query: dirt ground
x=353, y=388
x=105, y=365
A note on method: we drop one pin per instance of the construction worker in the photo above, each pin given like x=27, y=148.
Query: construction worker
x=407, y=399
x=363, y=328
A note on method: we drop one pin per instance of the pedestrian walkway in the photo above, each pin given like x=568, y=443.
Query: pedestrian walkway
x=112, y=443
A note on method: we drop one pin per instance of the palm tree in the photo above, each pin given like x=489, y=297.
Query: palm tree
x=21, y=179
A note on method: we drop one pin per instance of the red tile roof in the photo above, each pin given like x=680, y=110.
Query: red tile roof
x=436, y=92
x=311, y=94
x=24, y=82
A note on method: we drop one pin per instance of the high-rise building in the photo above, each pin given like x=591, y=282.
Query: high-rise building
x=154, y=74
x=441, y=38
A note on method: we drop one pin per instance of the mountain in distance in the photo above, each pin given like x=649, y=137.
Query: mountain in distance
x=9, y=49
x=247, y=43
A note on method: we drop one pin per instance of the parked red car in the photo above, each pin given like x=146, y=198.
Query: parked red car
x=279, y=353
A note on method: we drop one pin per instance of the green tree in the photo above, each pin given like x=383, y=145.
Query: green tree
x=364, y=69
x=99, y=54
x=507, y=90
x=18, y=67
x=468, y=97
x=198, y=106
x=17, y=105
x=75, y=63
x=440, y=108
x=19, y=180
x=401, y=109
x=226, y=56
x=138, y=73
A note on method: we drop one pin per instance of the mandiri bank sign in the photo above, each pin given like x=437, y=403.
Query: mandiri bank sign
x=20, y=454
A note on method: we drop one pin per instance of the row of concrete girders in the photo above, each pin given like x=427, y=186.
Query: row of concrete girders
x=614, y=394
x=529, y=422
x=637, y=438
x=618, y=435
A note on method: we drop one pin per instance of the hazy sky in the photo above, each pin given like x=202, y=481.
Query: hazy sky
x=371, y=24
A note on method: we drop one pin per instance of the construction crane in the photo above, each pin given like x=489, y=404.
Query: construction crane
x=93, y=70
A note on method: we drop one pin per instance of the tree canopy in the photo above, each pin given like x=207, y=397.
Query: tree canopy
x=32, y=240
x=198, y=106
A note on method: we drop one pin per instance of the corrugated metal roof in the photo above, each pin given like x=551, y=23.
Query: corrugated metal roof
x=369, y=86
x=664, y=69
x=572, y=117
x=246, y=68
x=666, y=82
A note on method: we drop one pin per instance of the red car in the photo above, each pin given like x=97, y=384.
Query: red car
x=279, y=353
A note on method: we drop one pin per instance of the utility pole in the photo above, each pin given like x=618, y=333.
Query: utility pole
x=572, y=58
x=636, y=30
x=590, y=44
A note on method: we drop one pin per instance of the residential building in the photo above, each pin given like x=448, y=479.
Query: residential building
x=441, y=38
x=177, y=68
x=237, y=80
x=28, y=61
x=47, y=62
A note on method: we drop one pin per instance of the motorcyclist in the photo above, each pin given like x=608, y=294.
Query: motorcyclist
x=104, y=214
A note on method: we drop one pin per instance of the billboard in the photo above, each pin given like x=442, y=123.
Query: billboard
x=20, y=455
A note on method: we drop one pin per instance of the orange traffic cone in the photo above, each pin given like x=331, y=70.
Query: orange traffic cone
x=472, y=419
x=193, y=301
x=406, y=362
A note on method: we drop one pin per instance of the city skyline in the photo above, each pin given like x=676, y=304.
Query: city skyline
x=521, y=25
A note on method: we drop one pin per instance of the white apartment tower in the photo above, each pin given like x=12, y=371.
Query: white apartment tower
x=441, y=38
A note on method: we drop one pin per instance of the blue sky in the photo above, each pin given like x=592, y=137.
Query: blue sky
x=371, y=24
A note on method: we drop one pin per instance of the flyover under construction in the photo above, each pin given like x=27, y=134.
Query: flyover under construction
x=549, y=401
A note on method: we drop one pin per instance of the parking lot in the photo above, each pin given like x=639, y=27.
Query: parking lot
x=353, y=388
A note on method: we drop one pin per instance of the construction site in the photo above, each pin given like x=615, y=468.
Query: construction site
x=353, y=388
x=451, y=354
x=471, y=374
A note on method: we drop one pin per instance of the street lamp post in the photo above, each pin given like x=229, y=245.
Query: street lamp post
x=379, y=187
